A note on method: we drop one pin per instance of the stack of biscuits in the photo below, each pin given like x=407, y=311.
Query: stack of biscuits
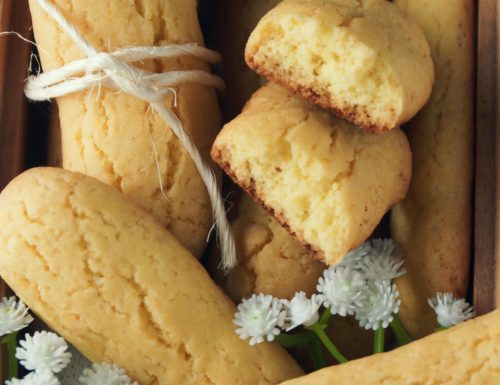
x=105, y=250
x=319, y=147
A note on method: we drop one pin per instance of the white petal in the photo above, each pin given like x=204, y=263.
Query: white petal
x=43, y=351
x=259, y=317
x=105, y=374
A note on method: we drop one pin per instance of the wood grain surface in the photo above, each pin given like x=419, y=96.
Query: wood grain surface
x=14, y=56
x=487, y=194
x=15, y=142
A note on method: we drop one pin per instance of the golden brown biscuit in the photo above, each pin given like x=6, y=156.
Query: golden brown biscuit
x=117, y=285
x=234, y=21
x=365, y=60
x=270, y=260
x=327, y=181
x=467, y=354
x=112, y=137
x=433, y=223
x=273, y=262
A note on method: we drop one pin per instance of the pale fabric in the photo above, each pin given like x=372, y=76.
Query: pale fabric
x=70, y=375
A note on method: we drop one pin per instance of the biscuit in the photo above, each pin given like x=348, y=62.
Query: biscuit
x=328, y=182
x=270, y=260
x=365, y=60
x=466, y=354
x=111, y=280
x=240, y=18
x=433, y=224
x=111, y=136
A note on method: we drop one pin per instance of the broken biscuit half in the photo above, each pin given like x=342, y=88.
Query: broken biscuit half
x=365, y=60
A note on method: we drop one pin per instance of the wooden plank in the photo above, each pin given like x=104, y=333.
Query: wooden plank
x=497, y=180
x=14, y=54
x=486, y=234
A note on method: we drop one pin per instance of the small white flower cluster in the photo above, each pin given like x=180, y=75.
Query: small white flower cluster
x=105, y=374
x=259, y=317
x=360, y=285
x=45, y=353
x=450, y=311
x=35, y=378
x=262, y=317
x=14, y=316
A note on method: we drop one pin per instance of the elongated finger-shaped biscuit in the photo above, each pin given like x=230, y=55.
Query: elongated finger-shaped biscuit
x=112, y=281
x=467, y=354
x=114, y=136
x=433, y=223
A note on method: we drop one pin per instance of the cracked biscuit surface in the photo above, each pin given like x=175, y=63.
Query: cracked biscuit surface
x=328, y=182
x=467, y=354
x=363, y=59
x=113, y=136
x=117, y=285
x=270, y=260
x=433, y=224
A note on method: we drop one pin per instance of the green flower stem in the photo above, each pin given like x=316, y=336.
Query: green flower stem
x=300, y=340
x=316, y=352
x=11, y=342
x=319, y=330
x=441, y=328
x=378, y=340
x=399, y=331
x=291, y=341
x=325, y=317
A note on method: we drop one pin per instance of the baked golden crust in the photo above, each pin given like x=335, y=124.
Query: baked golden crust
x=364, y=60
x=433, y=223
x=112, y=136
x=113, y=282
x=270, y=261
x=466, y=354
x=328, y=182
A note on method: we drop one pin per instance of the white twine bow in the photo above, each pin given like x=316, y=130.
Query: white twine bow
x=114, y=70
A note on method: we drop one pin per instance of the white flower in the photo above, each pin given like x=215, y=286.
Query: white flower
x=379, y=305
x=354, y=257
x=259, y=318
x=341, y=289
x=450, y=311
x=383, y=260
x=105, y=374
x=43, y=351
x=14, y=316
x=44, y=377
x=302, y=310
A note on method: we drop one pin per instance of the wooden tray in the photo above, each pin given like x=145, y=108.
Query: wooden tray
x=486, y=256
x=24, y=132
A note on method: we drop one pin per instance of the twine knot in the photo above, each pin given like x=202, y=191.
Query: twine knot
x=114, y=70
